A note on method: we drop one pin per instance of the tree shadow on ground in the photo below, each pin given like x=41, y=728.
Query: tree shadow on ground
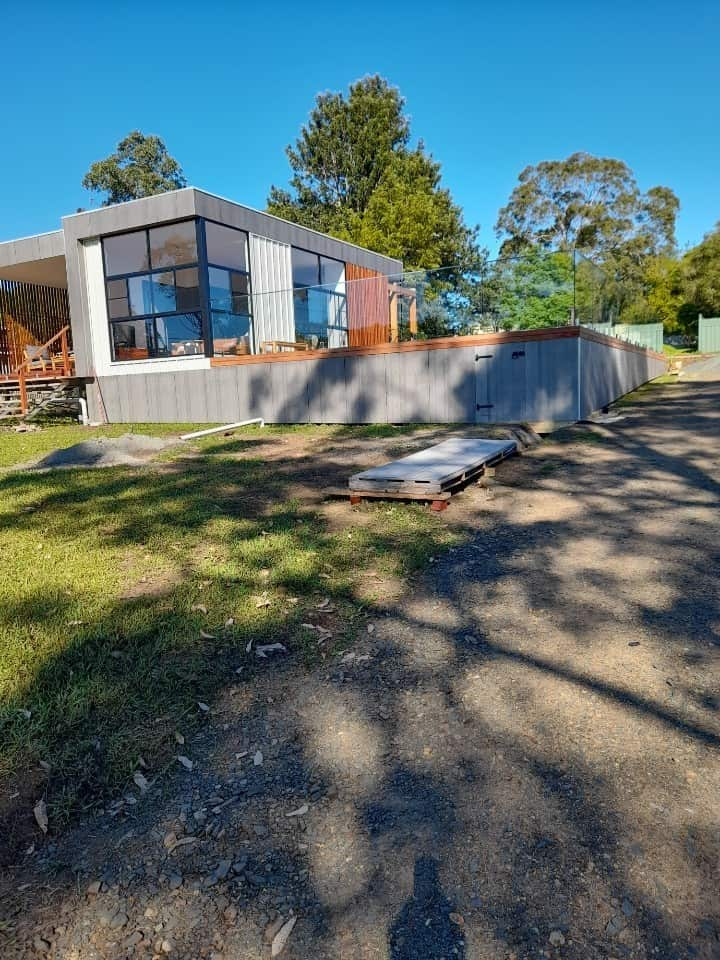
x=494, y=729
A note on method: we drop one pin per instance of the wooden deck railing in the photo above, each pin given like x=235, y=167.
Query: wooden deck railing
x=59, y=364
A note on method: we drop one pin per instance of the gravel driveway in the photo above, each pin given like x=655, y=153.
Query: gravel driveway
x=519, y=758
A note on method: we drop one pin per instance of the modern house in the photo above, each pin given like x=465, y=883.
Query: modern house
x=186, y=307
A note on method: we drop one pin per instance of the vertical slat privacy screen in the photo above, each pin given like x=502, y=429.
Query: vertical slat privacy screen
x=29, y=314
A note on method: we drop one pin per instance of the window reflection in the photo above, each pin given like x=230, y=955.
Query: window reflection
x=180, y=335
x=320, y=309
x=226, y=247
x=126, y=253
x=130, y=340
x=140, y=296
x=173, y=245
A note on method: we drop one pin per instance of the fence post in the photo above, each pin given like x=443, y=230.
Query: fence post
x=23, y=391
x=65, y=355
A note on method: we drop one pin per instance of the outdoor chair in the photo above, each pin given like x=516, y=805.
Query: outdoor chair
x=40, y=359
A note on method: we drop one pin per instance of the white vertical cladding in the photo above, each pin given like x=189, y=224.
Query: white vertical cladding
x=91, y=252
x=271, y=279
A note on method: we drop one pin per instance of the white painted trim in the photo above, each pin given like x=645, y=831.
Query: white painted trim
x=158, y=365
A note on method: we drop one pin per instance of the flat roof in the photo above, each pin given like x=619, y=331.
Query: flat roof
x=41, y=258
x=218, y=196
x=38, y=259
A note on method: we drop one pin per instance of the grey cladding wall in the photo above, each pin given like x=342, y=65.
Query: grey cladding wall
x=608, y=373
x=534, y=380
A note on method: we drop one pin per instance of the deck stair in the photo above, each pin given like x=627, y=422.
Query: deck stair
x=45, y=380
x=42, y=395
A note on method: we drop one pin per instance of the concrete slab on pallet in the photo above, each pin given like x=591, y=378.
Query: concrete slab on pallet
x=435, y=469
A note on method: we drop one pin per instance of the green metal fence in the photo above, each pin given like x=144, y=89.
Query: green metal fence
x=648, y=335
x=709, y=335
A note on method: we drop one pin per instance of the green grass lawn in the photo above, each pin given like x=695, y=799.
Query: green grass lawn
x=671, y=351
x=101, y=653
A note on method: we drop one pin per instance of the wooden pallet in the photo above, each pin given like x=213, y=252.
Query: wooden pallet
x=427, y=474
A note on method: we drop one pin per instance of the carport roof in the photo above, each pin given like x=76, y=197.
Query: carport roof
x=39, y=259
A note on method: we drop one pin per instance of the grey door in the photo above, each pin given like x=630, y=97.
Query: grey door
x=517, y=384
x=483, y=399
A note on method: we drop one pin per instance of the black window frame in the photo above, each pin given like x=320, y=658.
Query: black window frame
x=298, y=288
x=149, y=318
x=215, y=265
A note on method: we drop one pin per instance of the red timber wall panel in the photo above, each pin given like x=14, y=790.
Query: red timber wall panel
x=368, y=306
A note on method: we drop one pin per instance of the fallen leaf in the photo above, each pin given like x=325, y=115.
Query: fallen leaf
x=258, y=758
x=300, y=812
x=264, y=649
x=199, y=608
x=308, y=626
x=230, y=622
x=25, y=713
x=371, y=628
x=179, y=738
x=324, y=603
x=262, y=601
x=44, y=765
x=203, y=706
x=40, y=811
x=457, y=918
x=248, y=646
x=184, y=841
x=185, y=761
x=282, y=937
x=141, y=782
x=75, y=623
x=171, y=841
x=207, y=636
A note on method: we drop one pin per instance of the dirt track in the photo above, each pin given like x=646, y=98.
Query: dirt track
x=527, y=739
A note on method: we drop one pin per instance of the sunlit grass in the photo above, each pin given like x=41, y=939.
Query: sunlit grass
x=101, y=652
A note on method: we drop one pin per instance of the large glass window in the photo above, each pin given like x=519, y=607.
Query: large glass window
x=229, y=290
x=179, y=335
x=153, y=292
x=184, y=289
x=131, y=340
x=127, y=253
x=305, y=268
x=319, y=300
x=173, y=245
x=226, y=246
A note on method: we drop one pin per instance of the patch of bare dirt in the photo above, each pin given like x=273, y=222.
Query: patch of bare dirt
x=519, y=759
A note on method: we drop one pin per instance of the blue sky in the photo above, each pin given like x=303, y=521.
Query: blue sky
x=490, y=88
